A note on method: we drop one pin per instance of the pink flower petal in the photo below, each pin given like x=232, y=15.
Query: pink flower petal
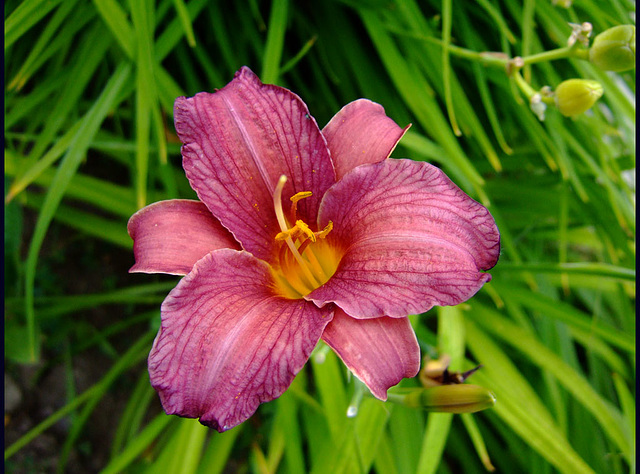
x=380, y=351
x=171, y=236
x=226, y=343
x=238, y=142
x=361, y=133
x=412, y=240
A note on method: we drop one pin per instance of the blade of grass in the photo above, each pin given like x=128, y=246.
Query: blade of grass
x=32, y=174
x=299, y=55
x=50, y=421
x=406, y=428
x=499, y=20
x=427, y=111
x=174, y=32
x=115, y=18
x=603, y=411
x=438, y=426
x=27, y=14
x=384, y=460
x=451, y=337
x=447, y=7
x=86, y=222
x=628, y=403
x=183, y=451
x=23, y=106
x=137, y=352
x=591, y=269
x=138, y=445
x=275, y=42
x=142, y=18
x=519, y=406
x=478, y=442
x=430, y=62
x=49, y=307
x=217, y=452
x=371, y=422
x=183, y=15
x=65, y=172
x=568, y=314
x=294, y=446
x=492, y=114
x=276, y=447
x=118, y=200
x=45, y=40
x=87, y=60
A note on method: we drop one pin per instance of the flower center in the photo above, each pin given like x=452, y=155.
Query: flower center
x=306, y=260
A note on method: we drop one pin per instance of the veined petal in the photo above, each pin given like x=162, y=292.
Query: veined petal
x=171, y=236
x=412, y=239
x=226, y=343
x=380, y=351
x=361, y=133
x=238, y=141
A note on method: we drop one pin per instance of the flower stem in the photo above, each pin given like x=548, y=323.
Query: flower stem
x=490, y=58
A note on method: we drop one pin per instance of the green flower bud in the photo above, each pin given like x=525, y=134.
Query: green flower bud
x=575, y=96
x=459, y=398
x=615, y=49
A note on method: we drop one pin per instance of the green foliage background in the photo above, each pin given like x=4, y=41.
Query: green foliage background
x=89, y=139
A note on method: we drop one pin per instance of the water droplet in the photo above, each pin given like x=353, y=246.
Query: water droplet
x=352, y=411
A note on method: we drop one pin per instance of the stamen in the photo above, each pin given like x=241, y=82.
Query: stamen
x=315, y=264
x=294, y=202
x=282, y=222
x=323, y=233
x=300, y=266
x=305, y=230
x=301, y=195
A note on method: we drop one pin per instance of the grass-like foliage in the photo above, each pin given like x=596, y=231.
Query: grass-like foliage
x=89, y=139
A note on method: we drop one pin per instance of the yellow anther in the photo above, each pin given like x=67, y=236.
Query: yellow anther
x=301, y=228
x=294, y=201
x=283, y=235
x=323, y=233
x=304, y=228
x=304, y=194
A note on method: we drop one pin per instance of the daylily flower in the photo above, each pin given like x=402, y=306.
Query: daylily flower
x=299, y=235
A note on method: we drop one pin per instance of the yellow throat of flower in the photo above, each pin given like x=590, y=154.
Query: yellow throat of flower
x=306, y=259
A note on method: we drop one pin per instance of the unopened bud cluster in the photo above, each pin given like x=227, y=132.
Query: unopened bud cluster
x=612, y=50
